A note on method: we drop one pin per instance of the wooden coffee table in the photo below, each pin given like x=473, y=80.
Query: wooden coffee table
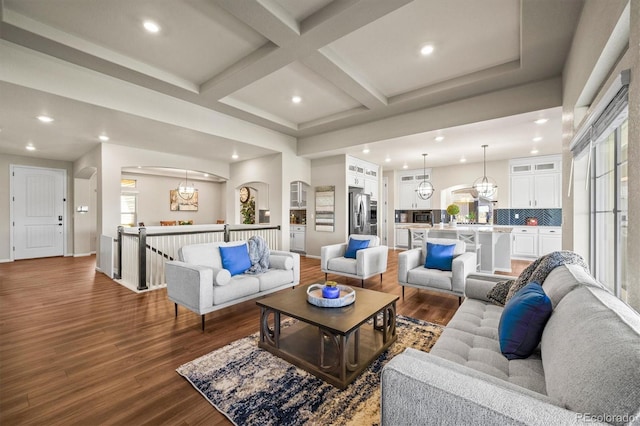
x=334, y=344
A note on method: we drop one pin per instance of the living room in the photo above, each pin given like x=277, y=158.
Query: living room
x=45, y=65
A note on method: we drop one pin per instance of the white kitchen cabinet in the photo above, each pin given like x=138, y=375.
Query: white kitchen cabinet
x=407, y=190
x=402, y=237
x=362, y=174
x=371, y=182
x=525, y=242
x=298, y=195
x=532, y=242
x=549, y=240
x=297, y=238
x=535, y=183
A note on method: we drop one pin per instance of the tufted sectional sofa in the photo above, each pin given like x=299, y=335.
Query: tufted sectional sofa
x=585, y=370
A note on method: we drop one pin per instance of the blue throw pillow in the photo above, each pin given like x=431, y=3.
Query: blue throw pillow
x=235, y=259
x=523, y=320
x=439, y=256
x=354, y=246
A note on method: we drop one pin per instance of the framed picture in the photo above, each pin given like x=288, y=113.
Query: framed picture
x=325, y=208
x=178, y=204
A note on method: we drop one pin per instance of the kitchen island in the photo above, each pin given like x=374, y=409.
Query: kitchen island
x=491, y=242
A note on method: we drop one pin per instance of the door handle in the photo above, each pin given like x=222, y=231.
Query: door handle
x=59, y=217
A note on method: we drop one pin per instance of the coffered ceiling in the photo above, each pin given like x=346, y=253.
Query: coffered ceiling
x=351, y=63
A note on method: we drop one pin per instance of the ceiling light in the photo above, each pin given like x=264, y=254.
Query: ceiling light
x=439, y=138
x=184, y=190
x=45, y=118
x=234, y=156
x=296, y=99
x=463, y=160
x=534, y=151
x=103, y=138
x=537, y=139
x=387, y=160
x=405, y=166
x=151, y=26
x=541, y=120
x=366, y=150
x=206, y=175
x=425, y=188
x=485, y=186
x=426, y=50
x=30, y=147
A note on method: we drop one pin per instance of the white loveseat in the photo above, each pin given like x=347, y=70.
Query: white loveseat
x=199, y=282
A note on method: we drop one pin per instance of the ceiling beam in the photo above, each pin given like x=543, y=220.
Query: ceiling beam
x=325, y=26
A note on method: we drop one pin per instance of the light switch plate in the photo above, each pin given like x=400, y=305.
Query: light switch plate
x=516, y=216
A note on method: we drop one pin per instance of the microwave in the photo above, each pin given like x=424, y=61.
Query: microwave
x=423, y=217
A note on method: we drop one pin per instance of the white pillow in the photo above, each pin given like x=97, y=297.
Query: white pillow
x=281, y=262
x=221, y=276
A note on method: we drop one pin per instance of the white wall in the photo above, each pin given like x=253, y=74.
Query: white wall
x=153, y=200
x=84, y=235
x=324, y=172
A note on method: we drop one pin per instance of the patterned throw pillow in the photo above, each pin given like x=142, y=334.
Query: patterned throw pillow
x=498, y=294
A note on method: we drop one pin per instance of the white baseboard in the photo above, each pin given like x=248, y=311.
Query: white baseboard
x=6, y=260
x=83, y=254
x=312, y=256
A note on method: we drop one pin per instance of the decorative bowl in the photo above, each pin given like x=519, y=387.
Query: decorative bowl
x=314, y=296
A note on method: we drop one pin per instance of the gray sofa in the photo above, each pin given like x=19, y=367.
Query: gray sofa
x=585, y=370
x=199, y=283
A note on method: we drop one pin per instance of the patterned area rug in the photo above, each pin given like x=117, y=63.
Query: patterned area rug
x=253, y=387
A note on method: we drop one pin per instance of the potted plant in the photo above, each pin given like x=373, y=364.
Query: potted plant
x=453, y=210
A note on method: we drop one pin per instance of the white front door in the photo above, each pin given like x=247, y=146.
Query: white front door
x=38, y=212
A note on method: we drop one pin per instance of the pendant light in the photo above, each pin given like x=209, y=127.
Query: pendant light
x=485, y=186
x=425, y=188
x=184, y=190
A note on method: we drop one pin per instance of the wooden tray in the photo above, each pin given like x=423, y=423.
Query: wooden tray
x=314, y=296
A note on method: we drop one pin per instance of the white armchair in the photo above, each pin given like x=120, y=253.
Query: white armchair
x=412, y=272
x=368, y=262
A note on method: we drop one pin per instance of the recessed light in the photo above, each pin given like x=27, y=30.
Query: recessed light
x=386, y=160
x=463, y=160
x=151, y=26
x=234, y=156
x=405, y=166
x=534, y=151
x=537, y=139
x=426, y=50
x=541, y=120
x=296, y=99
x=439, y=138
x=366, y=150
x=206, y=175
x=103, y=138
x=30, y=147
x=45, y=118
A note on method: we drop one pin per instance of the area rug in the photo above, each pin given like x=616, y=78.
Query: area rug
x=250, y=386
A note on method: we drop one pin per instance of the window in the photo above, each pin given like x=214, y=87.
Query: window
x=128, y=203
x=609, y=208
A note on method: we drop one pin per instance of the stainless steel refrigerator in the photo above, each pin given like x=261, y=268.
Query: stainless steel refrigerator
x=359, y=205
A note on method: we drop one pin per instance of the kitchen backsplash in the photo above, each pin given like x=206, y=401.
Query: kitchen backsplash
x=546, y=217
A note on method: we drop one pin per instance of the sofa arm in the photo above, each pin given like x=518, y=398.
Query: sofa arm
x=407, y=260
x=329, y=252
x=190, y=285
x=371, y=261
x=461, y=266
x=419, y=388
x=478, y=285
x=296, y=263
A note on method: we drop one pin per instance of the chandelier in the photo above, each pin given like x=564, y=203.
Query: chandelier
x=184, y=190
x=425, y=188
x=485, y=186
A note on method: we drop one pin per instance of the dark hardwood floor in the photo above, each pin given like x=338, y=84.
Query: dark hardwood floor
x=78, y=348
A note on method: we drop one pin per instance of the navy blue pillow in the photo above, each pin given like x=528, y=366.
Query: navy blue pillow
x=523, y=320
x=354, y=246
x=235, y=259
x=439, y=256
